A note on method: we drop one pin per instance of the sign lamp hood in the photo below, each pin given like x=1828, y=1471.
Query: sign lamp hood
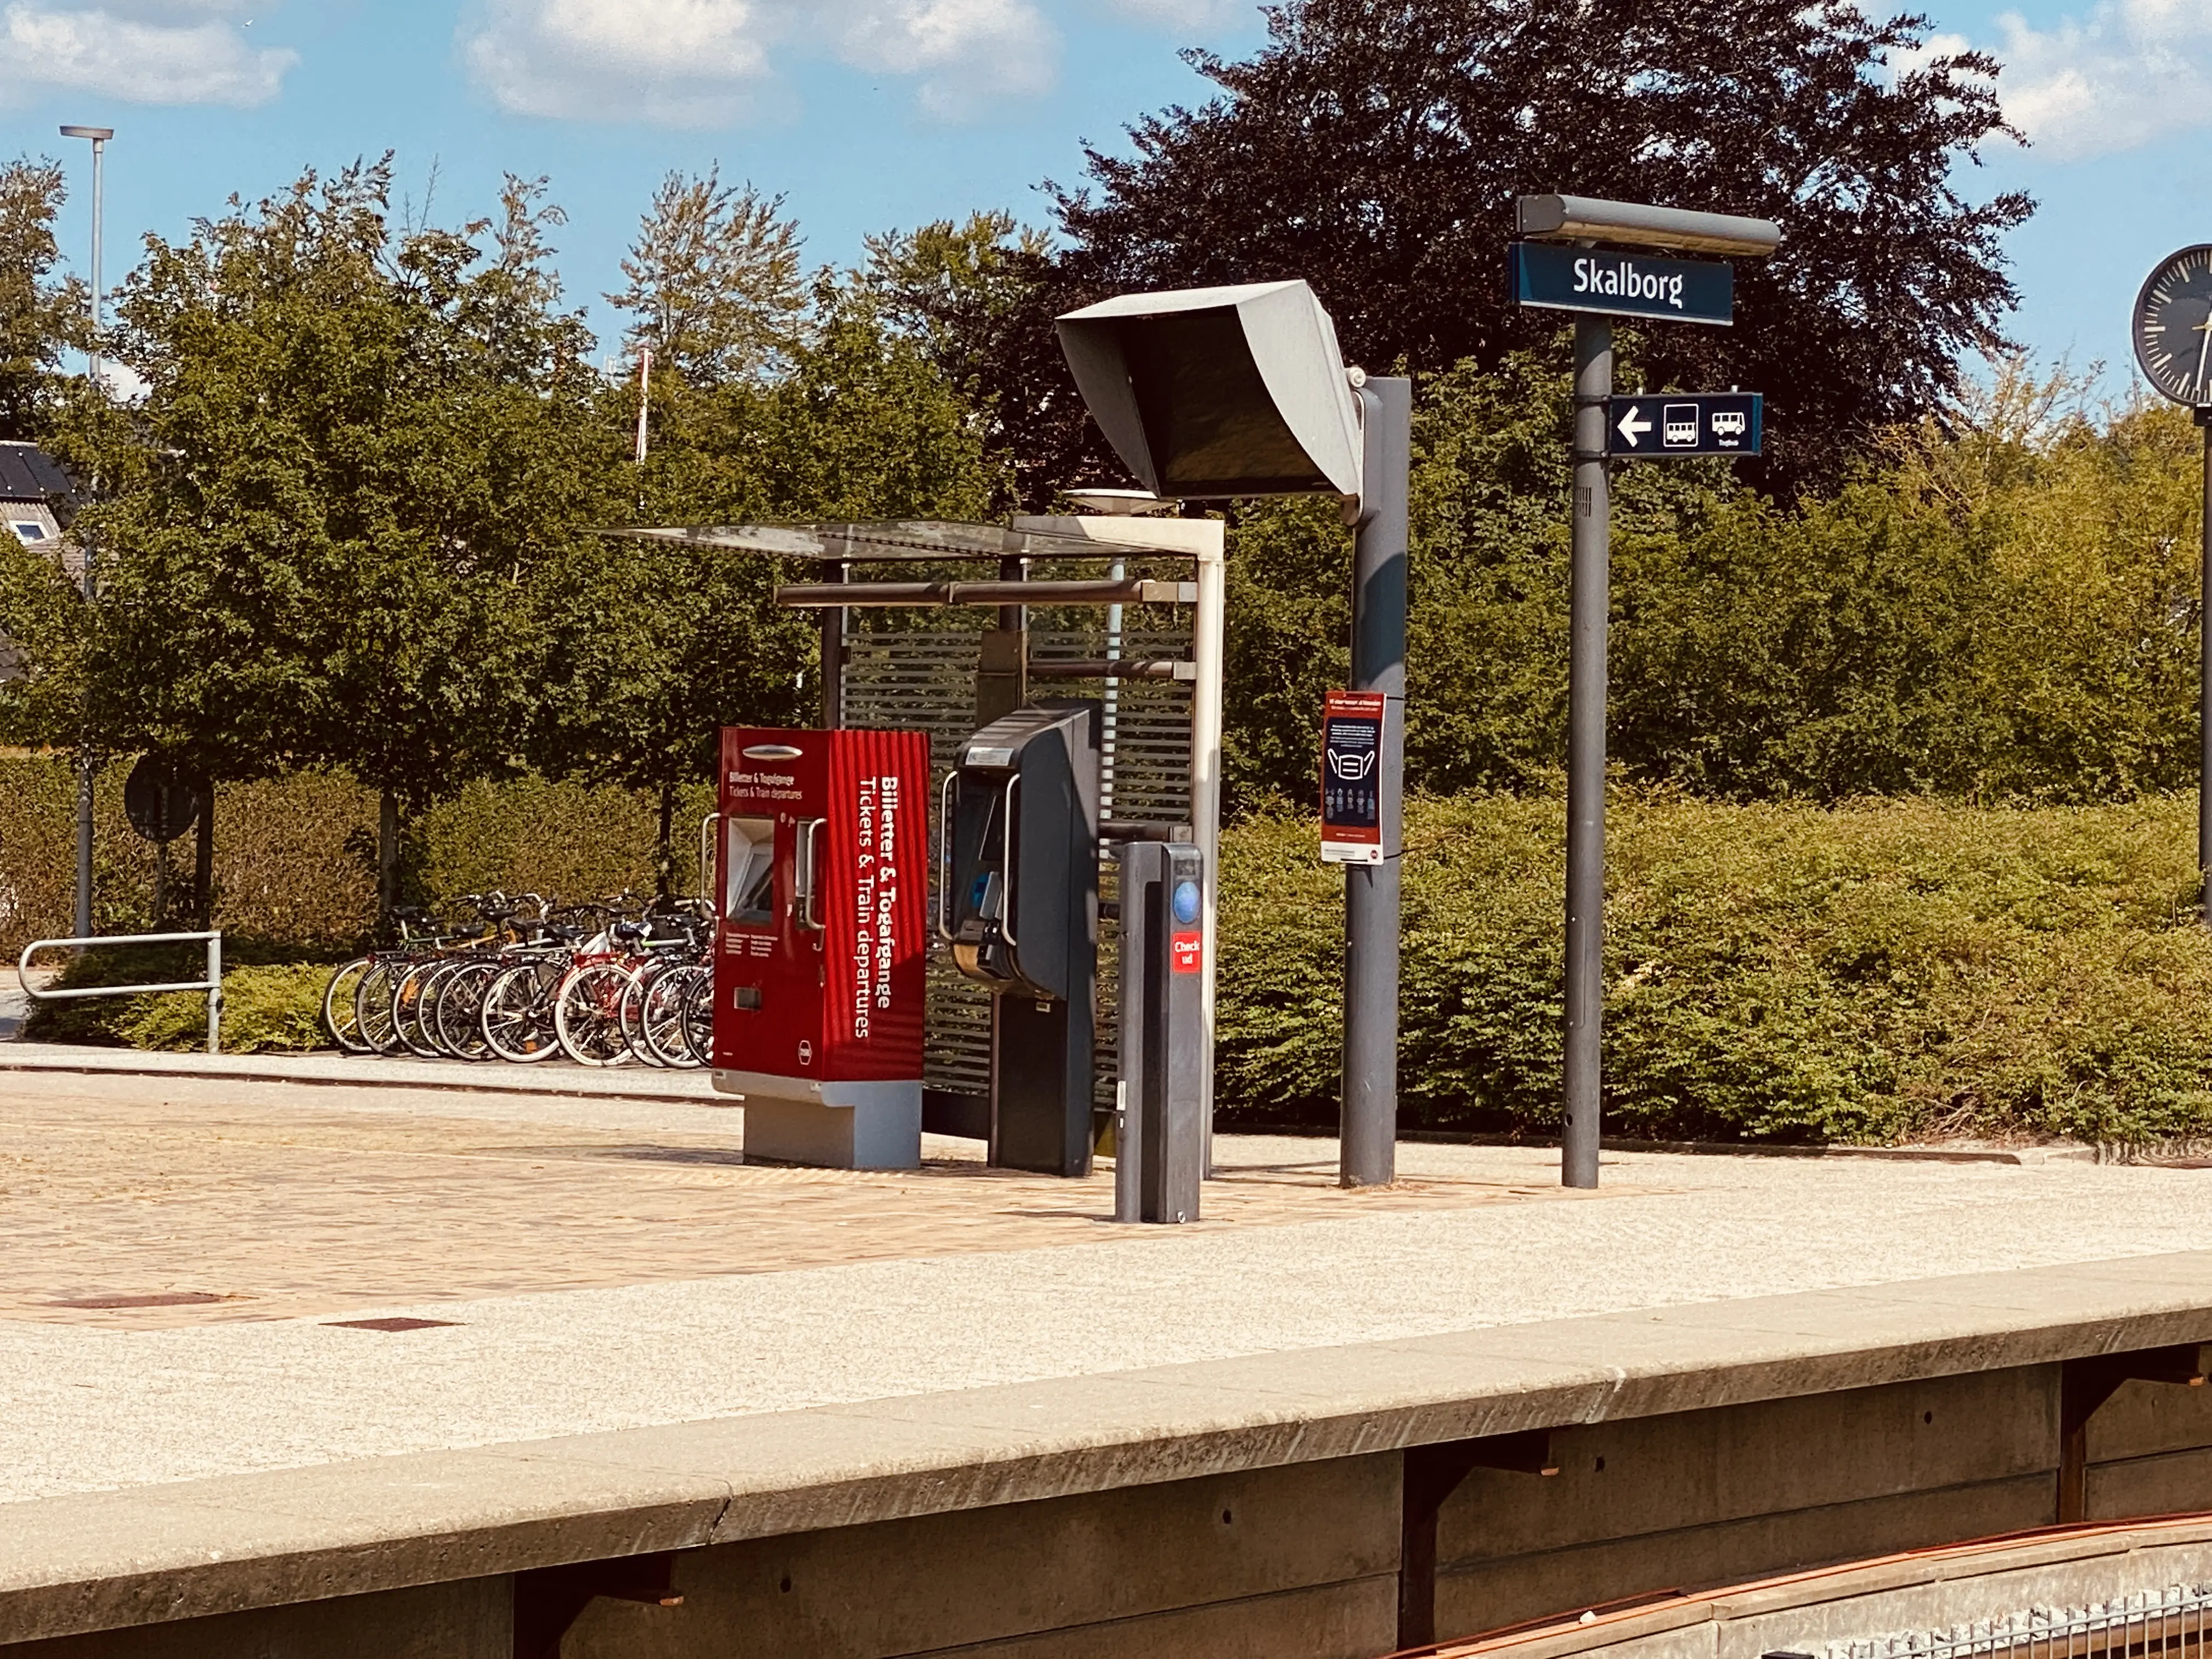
x=1589, y=219
x=1214, y=391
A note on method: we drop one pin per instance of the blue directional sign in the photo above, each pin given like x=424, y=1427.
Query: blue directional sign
x=1666, y=425
x=1565, y=278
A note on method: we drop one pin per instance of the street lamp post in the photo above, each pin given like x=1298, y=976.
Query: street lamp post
x=100, y=135
x=1222, y=393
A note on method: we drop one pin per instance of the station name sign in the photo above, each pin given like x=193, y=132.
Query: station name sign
x=1563, y=278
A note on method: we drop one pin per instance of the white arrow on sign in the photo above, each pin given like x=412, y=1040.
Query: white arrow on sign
x=1633, y=427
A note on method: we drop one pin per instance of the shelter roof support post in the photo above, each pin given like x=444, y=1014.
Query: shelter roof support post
x=1368, y=1135
x=1002, y=670
x=1208, y=649
x=833, y=653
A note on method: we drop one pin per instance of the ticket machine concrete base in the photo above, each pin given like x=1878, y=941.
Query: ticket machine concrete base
x=838, y=1126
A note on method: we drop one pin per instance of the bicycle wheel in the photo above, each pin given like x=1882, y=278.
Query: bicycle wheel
x=518, y=1013
x=643, y=978
x=458, y=1021
x=423, y=1022
x=372, y=1007
x=340, y=1019
x=661, y=1022
x=408, y=992
x=588, y=1014
x=699, y=1015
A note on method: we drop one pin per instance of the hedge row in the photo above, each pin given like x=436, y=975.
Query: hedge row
x=295, y=857
x=1878, y=972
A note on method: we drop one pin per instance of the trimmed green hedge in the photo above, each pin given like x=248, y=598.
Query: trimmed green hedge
x=1878, y=972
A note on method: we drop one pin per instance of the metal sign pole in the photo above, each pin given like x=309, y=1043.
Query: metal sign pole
x=2204, y=687
x=1586, y=697
x=1565, y=270
x=1369, y=1135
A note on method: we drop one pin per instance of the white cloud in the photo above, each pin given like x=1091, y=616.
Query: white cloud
x=1184, y=16
x=148, y=51
x=2133, y=70
x=707, y=62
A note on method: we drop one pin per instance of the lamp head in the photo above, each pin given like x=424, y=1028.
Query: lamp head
x=1218, y=392
x=98, y=135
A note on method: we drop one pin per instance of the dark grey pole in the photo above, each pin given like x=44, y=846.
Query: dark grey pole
x=87, y=771
x=1587, y=608
x=2204, y=688
x=833, y=651
x=1368, y=1144
x=86, y=768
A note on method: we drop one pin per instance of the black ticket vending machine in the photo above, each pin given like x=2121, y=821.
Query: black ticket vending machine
x=1018, y=901
x=1160, y=1143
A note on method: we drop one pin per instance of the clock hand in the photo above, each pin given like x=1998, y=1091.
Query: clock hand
x=2203, y=328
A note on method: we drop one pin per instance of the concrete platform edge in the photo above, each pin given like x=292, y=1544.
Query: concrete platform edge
x=147, y=1555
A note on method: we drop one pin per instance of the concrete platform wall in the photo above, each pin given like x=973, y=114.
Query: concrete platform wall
x=1302, y=1560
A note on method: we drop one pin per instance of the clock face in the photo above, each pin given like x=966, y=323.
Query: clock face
x=2173, y=326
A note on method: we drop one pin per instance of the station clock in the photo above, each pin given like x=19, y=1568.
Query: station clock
x=2172, y=326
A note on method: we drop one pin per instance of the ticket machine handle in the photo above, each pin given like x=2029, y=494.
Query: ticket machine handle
x=709, y=889
x=810, y=832
x=945, y=855
x=1012, y=845
x=1011, y=841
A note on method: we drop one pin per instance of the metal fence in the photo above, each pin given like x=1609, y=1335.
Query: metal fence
x=2168, y=1624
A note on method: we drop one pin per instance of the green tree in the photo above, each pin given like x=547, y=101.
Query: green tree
x=40, y=314
x=1375, y=148
x=714, y=288
x=653, y=646
x=977, y=296
x=363, y=440
x=2003, y=608
x=45, y=627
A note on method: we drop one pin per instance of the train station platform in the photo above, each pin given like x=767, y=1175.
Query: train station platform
x=359, y=1369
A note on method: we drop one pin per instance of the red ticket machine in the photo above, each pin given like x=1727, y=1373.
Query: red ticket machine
x=819, y=955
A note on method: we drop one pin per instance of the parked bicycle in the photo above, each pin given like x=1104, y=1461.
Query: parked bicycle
x=603, y=983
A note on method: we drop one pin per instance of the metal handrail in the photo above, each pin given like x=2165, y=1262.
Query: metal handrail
x=708, y=889
x=212, y=984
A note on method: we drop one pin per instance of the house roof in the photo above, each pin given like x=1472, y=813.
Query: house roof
x=28, y=474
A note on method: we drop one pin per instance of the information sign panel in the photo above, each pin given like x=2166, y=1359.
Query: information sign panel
x=1351, y=784
x=1672, y=425
x=1565, y=278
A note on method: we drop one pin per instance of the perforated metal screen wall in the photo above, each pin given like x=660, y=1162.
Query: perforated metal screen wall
x=920, y=675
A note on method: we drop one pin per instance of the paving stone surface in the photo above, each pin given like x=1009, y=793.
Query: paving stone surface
x=135, y=1203
x=550, y=1266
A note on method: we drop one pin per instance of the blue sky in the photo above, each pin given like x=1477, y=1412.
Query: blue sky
x=878, y=113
